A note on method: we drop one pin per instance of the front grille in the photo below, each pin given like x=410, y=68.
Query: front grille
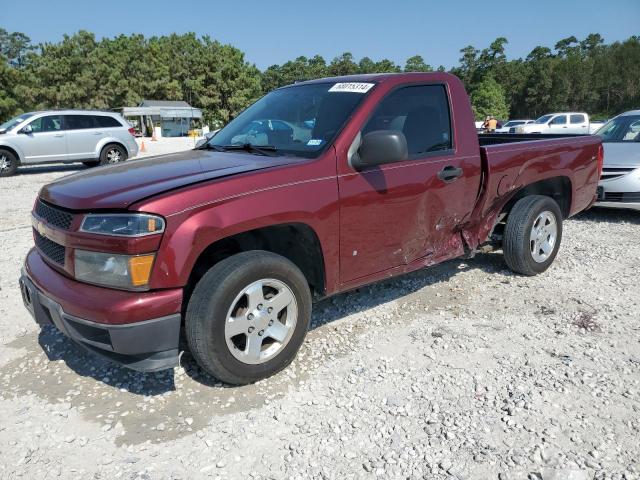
x=53, y=216
x=633, y=197
x=50, y=249
x=611, y=173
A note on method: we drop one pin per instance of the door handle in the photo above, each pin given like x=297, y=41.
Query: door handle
x=97, y=133
x=58, y=135
x=449, y=173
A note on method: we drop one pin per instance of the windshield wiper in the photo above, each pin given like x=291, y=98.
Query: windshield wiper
x=209, y=146
x=269, y=150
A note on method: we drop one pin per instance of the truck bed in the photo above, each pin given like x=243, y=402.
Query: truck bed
x=511, y=161
x=499, y=138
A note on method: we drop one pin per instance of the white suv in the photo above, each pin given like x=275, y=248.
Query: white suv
x=90, y=137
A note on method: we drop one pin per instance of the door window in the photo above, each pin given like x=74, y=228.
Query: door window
x=49, y=123
x=79, y=122
x=578, y=119
x=421, y=113
x=559, y=120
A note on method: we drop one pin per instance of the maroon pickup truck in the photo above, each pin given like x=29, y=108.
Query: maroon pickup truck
x=317, y=188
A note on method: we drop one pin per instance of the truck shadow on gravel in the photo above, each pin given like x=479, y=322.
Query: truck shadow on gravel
x=162, y=406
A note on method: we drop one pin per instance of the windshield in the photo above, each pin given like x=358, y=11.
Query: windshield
x=9, y=124
x=298, y=120
x=513, y=123
x=621, y=129
x=544, y=119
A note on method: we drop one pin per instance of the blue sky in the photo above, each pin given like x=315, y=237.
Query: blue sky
x=273, y=31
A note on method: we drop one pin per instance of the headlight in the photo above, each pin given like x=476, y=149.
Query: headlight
x=130, y=272
x=123, y=224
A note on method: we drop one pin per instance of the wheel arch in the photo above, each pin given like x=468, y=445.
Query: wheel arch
x=295, y=241
x=12, y=151
x=558, y=188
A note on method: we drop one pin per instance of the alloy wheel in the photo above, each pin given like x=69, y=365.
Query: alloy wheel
x=261, y=321
x=5, y=163
x=544, y=233
x=113, y=155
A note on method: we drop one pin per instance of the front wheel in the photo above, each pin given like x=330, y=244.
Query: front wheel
x=248, y=316
x=532, y=235
x=8, y=163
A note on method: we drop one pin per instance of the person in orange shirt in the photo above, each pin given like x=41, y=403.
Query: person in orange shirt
x=492, y=125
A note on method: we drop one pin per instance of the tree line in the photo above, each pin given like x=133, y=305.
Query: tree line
x=83, y=72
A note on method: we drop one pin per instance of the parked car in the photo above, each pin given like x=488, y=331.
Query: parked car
x=620, y=181
x=569, y=122
x=90, y=137
x=510, y=126
x=234, y=240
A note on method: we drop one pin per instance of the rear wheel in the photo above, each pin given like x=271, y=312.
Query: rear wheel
x=532, y=235
x=8, y=163
x=112, y=154
x=248, y=316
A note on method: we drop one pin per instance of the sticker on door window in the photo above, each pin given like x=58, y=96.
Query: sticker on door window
x=314, y=142
x=354, y=87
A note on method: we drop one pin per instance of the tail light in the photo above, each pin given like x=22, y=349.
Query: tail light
x=600, y=160
x=132, y=131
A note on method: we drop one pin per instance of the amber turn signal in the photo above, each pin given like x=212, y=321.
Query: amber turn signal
x=140, y=269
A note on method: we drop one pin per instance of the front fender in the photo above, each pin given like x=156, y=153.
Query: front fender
x=190, y=232
x=13, y=148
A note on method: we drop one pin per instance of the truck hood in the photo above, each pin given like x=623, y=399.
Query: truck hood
x=118, y=186
x=621, y=154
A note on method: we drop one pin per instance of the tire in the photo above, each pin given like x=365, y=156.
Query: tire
x=112, y=154
x=531, y=240
x=92, y=163
x=219, y=301
x=8, y=163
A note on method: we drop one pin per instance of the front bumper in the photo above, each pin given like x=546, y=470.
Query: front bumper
x=621, y=191
x=147, y=345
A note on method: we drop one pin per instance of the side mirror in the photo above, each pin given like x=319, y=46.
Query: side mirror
x=26, y=130
x=379, y=147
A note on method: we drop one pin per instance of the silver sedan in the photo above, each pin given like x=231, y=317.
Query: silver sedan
x=620, y=182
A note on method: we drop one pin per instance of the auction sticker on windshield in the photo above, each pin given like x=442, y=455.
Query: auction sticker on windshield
x=355, y=87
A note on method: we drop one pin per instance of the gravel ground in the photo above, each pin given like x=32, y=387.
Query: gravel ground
x=460, y=371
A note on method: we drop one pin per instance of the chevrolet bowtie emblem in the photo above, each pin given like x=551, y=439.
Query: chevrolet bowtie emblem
x=41, y=229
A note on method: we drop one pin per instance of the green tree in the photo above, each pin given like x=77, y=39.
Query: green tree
x=14, y=47
x=489, y=99
x=417, y=64
x=343, y=65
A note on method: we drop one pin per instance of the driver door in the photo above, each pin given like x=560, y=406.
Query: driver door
x=399, y=212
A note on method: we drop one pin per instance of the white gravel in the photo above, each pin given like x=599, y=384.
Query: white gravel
x=460, y=371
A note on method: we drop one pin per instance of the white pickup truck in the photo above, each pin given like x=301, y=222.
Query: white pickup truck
x=564, y=122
